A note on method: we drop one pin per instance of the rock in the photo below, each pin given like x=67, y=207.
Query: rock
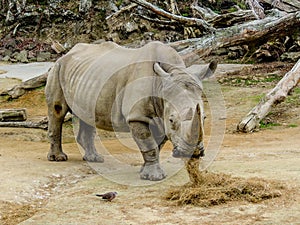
x=85, y=5
x=7, y=52
x=43, y=56
x=130, y=27
x=290, y=56
x=22, y=56
x=6, y=58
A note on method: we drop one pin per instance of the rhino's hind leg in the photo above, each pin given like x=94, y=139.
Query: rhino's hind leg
x=151, y=170
x=56, y=114
x=85, y=138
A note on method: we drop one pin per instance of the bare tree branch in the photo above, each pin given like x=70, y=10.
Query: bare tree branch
x=204, y=12
x=174, y=7
x=163, y=22
x=187, y=21
x=257, y=9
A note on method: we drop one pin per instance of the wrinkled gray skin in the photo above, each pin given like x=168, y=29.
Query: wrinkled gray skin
x=146, y=91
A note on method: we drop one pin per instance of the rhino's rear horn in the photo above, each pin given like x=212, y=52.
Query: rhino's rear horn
x=160, y=71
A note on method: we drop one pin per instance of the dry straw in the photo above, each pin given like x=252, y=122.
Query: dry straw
x=208, y=189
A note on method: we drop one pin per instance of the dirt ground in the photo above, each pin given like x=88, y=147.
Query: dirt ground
x=36, y=191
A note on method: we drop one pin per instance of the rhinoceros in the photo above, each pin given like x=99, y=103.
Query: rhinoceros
x=147, y=91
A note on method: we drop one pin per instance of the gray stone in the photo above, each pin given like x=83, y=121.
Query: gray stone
x=7, y=52
x=43, y=56
x=6, y=58
x=22, y=56
x=130, y=27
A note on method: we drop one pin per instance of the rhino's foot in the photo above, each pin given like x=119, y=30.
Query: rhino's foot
x=152, y=172
x=57, y=157
x=93, y=158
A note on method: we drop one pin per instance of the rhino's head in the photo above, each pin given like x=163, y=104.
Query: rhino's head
x=183, y=109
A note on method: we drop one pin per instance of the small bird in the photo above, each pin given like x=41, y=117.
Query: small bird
x=108, y=196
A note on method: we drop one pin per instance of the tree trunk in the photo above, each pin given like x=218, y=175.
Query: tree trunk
x=275, y=96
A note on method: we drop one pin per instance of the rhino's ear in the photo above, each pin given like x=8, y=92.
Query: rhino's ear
x=160, y=71
x=201, y=72
x=210, y=70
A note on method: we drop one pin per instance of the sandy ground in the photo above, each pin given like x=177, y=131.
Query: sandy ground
x=36, y=191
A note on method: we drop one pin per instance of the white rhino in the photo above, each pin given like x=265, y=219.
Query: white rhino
x=147, y=91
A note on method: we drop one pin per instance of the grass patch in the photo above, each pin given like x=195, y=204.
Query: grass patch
x=267, y=125
x=292, y=125
x=250, y=80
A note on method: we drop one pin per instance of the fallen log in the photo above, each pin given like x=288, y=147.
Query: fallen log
x=274, y=97
x=252, y=33
x=284, y=5
x=22, y=88
x=13, y=115
x=43, y=124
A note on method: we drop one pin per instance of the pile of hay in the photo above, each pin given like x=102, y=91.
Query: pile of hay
x=208, y=189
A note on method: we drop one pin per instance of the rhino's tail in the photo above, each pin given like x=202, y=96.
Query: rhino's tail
x=54, y=94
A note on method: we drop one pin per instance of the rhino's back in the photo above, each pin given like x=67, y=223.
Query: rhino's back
x=87, y=68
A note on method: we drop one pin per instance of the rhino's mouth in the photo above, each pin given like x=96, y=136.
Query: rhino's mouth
x=196, y=152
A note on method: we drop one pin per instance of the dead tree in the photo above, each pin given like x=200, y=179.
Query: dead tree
x=288, y=6
x=184, y=20
x=274, y=97
x=258, y=31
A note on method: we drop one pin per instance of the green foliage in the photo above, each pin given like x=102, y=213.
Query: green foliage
x=241, y=4
x=118, y=3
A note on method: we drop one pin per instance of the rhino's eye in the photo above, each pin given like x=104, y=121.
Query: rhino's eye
x=173, y=123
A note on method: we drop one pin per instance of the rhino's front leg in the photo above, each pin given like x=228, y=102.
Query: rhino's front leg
x=151, y=170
